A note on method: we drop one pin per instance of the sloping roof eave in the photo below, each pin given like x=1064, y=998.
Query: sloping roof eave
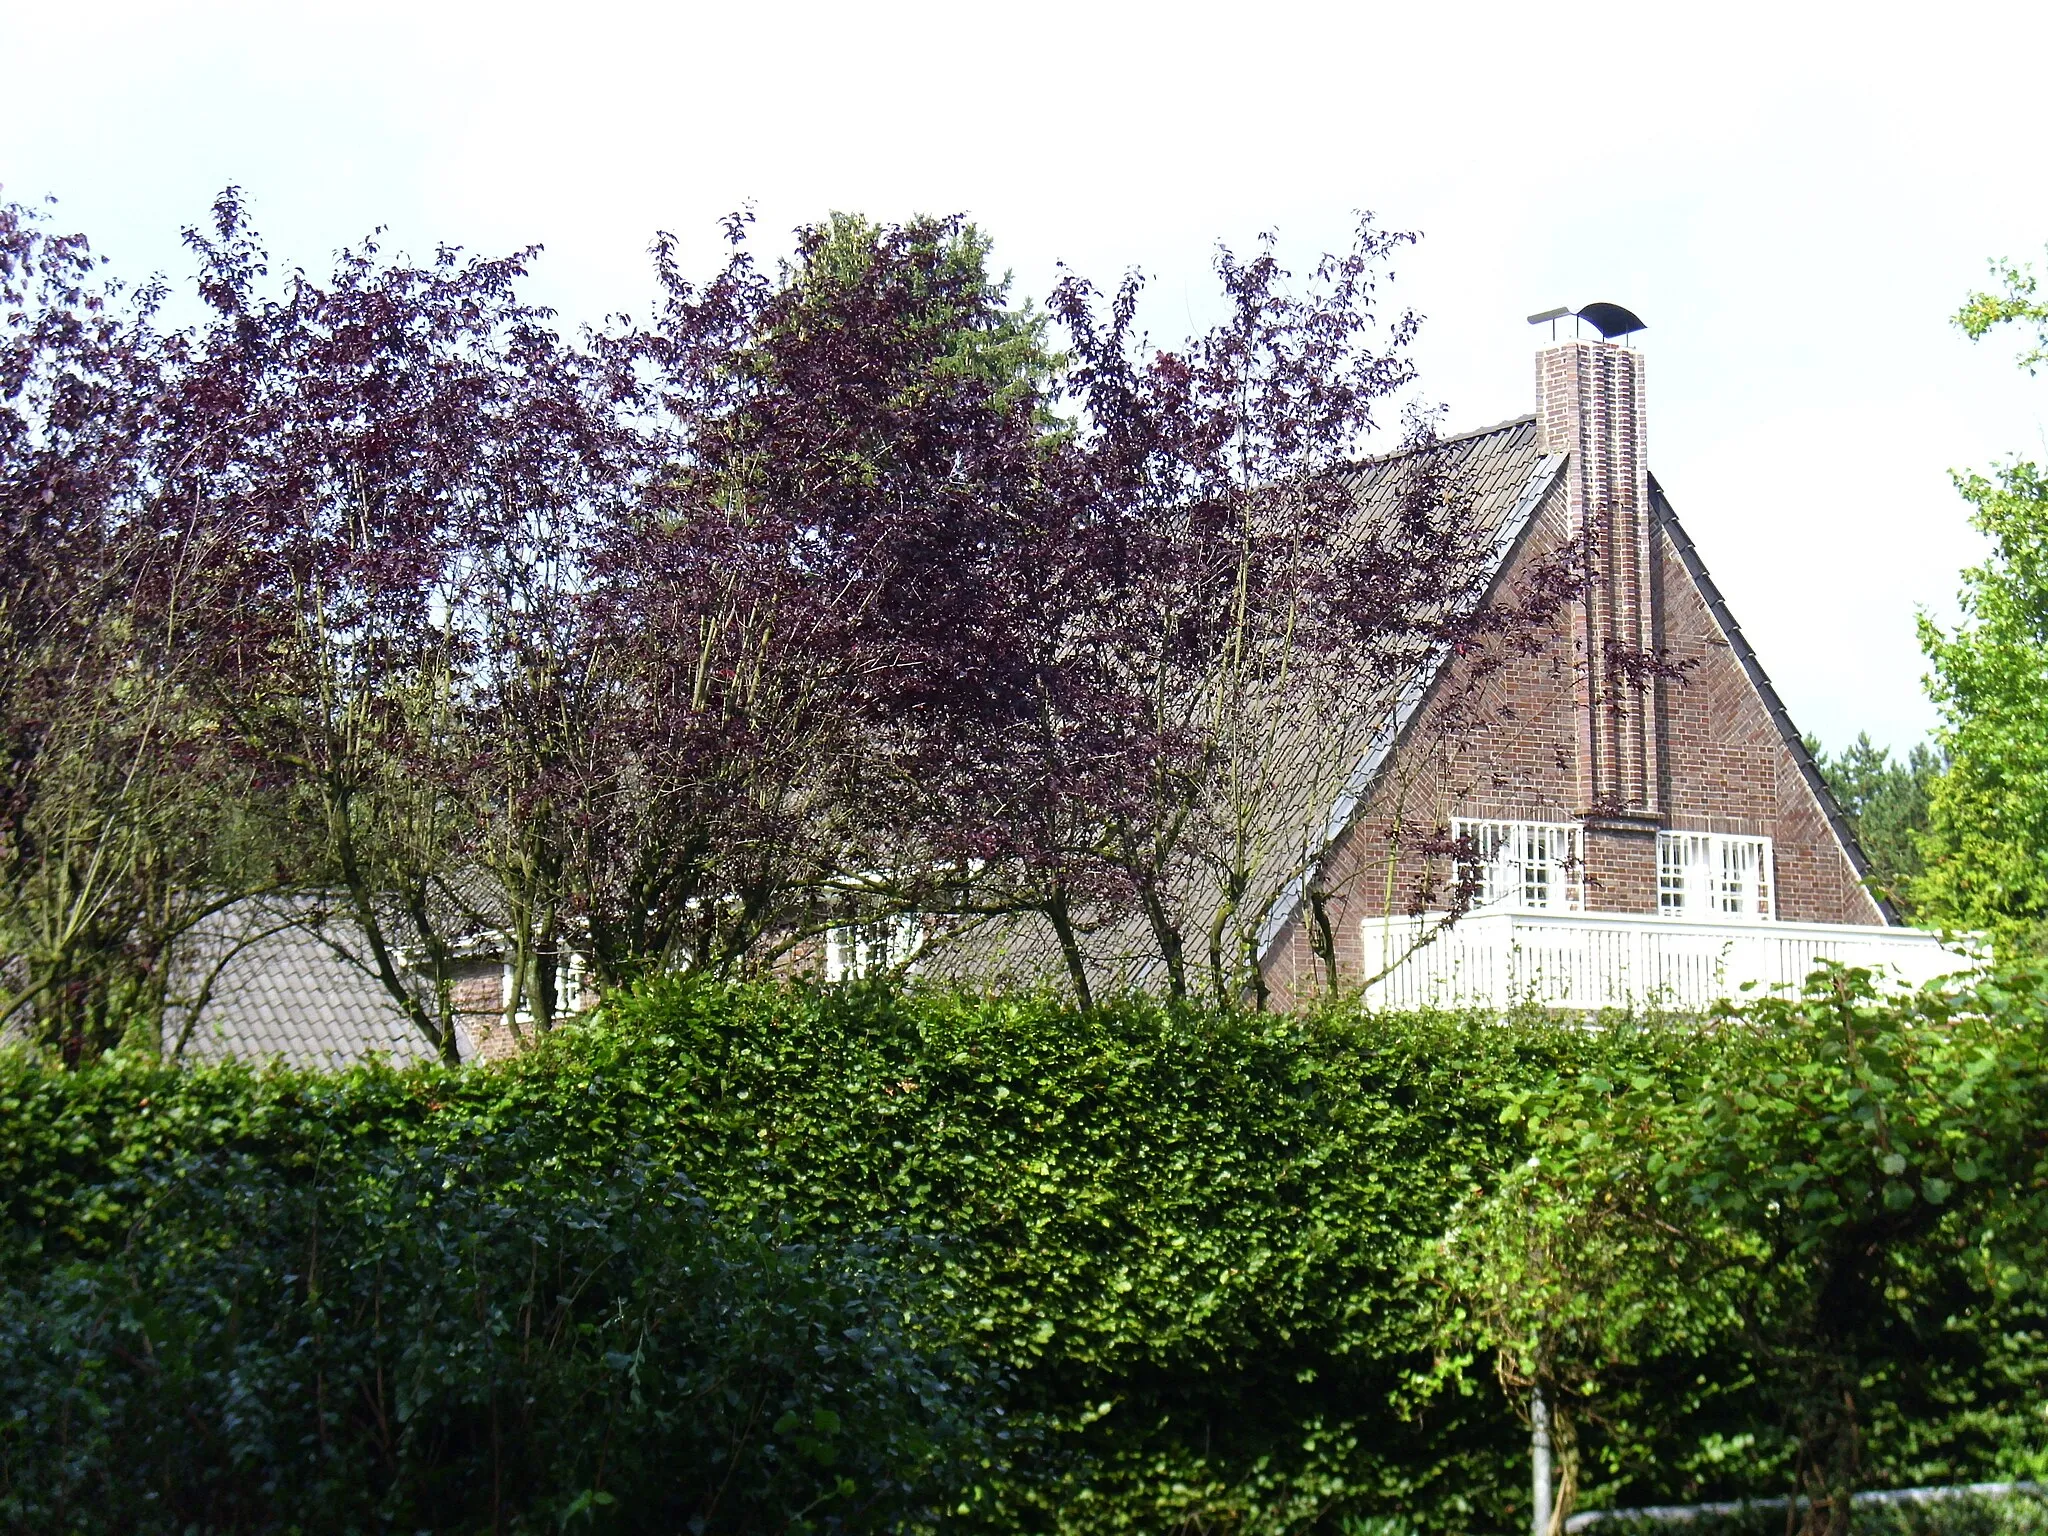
x=1543, y=479
x=1781, y=718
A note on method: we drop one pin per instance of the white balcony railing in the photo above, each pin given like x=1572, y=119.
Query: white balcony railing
x=1598, y=960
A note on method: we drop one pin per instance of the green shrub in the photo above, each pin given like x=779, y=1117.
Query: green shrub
x=1809, y=1252
x=1185, y=1240
x=2022, y=1514
x=426, y=1338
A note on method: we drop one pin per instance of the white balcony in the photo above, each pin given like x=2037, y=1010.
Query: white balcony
x=1594, y=960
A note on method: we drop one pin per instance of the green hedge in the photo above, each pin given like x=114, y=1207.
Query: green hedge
x=1189, y=1237
x=1134, y=1270
x=1182, y=1241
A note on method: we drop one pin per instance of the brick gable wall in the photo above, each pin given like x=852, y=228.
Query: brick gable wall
x=1721, y=766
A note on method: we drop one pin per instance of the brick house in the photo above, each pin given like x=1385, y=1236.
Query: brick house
x=1640, y=836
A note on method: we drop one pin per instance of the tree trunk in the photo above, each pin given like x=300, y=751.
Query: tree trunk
x=1830, y=1458
x=1172, y=951
x=1219, y=977
x=371, y=925
x=1564, y=1451
x=1060, y=915
x=1322, y=937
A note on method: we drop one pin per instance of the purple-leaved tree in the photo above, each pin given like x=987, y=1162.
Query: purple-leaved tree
x=126, y=818
x=837, y=591
x=1216, y=623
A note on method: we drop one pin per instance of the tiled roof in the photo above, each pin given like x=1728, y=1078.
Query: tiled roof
x=1322, y=766
x=286, y=987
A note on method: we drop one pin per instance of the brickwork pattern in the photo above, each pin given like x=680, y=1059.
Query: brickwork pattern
x=1590, y=404
x=1621, y=866
x=479, y=989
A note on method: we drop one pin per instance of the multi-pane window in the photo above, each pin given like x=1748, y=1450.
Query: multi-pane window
x=1531, y=866
x=1704, y=874
x=867, y=949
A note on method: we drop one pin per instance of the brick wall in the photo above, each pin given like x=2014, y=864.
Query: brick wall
x=480, y=1010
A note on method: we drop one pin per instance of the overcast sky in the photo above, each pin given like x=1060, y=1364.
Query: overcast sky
x=1794, y=197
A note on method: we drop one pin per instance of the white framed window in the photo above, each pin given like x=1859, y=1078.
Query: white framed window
x=1709, y=875
x=867, y=949
x=1528, y=866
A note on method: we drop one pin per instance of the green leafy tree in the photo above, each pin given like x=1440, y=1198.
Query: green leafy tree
x=1986, y=847
x=1885, y=799
x=2019, y=303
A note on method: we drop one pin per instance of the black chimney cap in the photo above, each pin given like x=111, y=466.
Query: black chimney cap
x=1610, y=320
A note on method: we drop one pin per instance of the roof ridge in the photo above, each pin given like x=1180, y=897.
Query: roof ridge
x=1445, y=442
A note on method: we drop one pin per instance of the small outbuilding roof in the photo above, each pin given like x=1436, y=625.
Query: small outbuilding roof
x=280, y=981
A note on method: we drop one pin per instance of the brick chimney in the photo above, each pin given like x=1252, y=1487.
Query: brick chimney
x=1589, y=404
